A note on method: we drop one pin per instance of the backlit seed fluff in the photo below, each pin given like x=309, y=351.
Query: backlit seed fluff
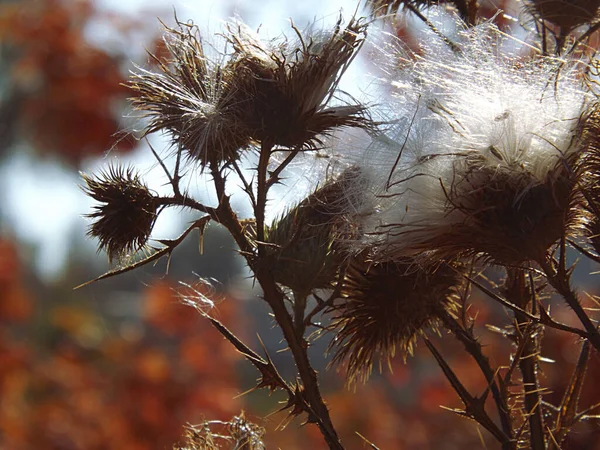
x=126, y=213
x=480, y=156
x=384, y=308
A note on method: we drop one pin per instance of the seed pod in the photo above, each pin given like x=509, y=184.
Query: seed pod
x=383, y=309
x=126, y=214
x=304, y=249
x=283, y=89
x=192, y=98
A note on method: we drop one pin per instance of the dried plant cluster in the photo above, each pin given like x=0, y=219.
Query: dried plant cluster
x=483, y=158
x=238, y=434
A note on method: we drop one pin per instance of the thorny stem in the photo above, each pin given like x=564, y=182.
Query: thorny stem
x=261, y=194
x=517, y=293
x=543, y=319
x=273, y=295
x=559, y=280
x=299, y=311
x=188, y=202
x=473, y=347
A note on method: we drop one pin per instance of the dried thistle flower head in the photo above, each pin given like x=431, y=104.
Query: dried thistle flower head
x=237, y=434
x=384, y=307
x=192, y=99
x=284, y=88
x=565, y=14
x=303, y=242
x=588, y=173
x=126, y=214
x=480, y=160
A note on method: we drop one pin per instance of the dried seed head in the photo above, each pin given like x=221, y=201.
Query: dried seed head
x=588, y=174
x=238, y=433
x=284, y=89
x=505, y=213
x=192, y=99
x=480, y=158
x=565, y=14
x=126, y=214
x=304, y=246
x=385, y=307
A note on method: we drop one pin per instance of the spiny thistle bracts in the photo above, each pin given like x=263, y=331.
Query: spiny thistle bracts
x=192, y=99
x=237, y=434
x=384, y=307
x=480, y=156
x=304, y=245
x=284, y=87
x=588, y=173
x=567, y=15
x=275, y=92
x=126, y=214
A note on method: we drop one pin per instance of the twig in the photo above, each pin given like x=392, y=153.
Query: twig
x=474, y=406
x=169, y=246
x=544, y=317
x=473, y=347
x=276, y=300
x=559, y=279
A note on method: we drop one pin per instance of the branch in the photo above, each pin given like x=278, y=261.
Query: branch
x=169, y=246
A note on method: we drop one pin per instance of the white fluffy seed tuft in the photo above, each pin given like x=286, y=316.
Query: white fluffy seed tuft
x=454, y=116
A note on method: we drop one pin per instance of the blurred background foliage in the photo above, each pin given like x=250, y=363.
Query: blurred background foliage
x=123, y=364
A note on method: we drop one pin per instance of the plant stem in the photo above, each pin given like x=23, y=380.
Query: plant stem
x=473, y=347
x=273, y=295
x=517, y=293
x=559, y=280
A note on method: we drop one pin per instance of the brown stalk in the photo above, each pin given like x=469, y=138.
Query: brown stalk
x=275, y=297
x=474, y=406
x=558, y=276
x=567, y=412
x=517, y=293
x=474, y=348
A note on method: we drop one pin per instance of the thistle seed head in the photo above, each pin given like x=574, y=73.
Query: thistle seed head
x=123, y=220
x=191, y=98
x=304, y=242
x=507, y=215
x=588, y=174
x=284, y=89
x=480, y=157
x=385, y=307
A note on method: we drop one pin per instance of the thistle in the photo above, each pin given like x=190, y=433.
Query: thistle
x=126, y=214
x=237, y=434
x=284, y=88
x=567, y=15
x=482, y=162
x=588, y=173
x=191, y=98
x=305, y=243
x=384, y=308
